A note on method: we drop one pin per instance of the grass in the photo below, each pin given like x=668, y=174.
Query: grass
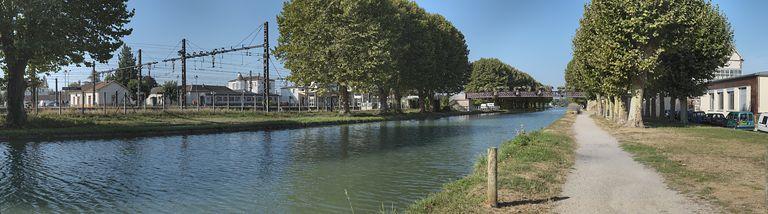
x=725, y=167
x=531, y=170
x=50, y=125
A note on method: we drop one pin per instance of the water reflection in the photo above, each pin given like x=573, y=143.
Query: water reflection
x=299, y=171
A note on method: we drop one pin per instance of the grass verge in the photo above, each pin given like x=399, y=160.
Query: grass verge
x=531, y=171
x=76, y=126
x=723, y=166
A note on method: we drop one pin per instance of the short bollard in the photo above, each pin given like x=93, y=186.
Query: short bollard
x=492, y=191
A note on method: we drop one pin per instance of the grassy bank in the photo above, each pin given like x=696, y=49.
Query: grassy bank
x=531, y=171
x=724, y=166
x=70, y=126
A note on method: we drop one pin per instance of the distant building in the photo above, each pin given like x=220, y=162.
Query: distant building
x=732, y=68
x=107, y=93
x=742, y=93
x=208, y=95
x=253, y=84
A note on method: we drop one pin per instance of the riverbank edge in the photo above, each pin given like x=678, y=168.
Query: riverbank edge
x=151, y=130
x=532, y=169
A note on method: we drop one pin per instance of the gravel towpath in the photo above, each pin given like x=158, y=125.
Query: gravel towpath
x=607, y=180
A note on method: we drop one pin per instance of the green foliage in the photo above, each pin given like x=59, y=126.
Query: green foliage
x=40, y=36
x=694, y=57
x=147, y=83
x=171, y=91
x=624, y=47
x=363, y=45
x=125, y=59
x=492, y=75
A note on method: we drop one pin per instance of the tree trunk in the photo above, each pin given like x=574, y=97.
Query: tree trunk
x=344, y=99
x=621, y=110
x=435, y=103
x=653, y=107
x=16, y=115
x=609, y=108
x=636, y=106
x=383, y=105
x=397, y=104
x=422, y=102
x=683, y=110
x=599, y=103
x=661, y=107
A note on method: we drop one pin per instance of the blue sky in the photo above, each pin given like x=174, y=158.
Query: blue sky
x=534, y=36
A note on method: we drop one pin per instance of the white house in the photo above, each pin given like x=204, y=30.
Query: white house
x=256, y=84
x=732, y=68
x=107, y=93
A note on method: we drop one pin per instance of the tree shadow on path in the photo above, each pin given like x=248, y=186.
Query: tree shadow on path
x=531, y=201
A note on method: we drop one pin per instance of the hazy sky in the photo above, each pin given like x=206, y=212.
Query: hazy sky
x=534, y=36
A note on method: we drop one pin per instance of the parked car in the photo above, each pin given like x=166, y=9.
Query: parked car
x=740, y=120
x=708, y=118
x=697, y=117
x=717, y=120
x=670, y=114
x=762, y=122
x=488, y=107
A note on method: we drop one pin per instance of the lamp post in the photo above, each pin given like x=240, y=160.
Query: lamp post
x=213, y=100
x=197, y=96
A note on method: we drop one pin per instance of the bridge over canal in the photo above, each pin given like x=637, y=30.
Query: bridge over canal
x=522, y=99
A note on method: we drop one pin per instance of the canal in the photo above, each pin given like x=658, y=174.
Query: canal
x=310, y=170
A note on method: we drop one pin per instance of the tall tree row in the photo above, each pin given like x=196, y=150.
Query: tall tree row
x=493, y=75
x=623, y=47
x=392, y=47
x=40, y=36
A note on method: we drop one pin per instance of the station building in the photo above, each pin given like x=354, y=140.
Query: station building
x=741, y=93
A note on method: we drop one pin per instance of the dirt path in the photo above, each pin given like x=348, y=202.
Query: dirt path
x=607, y=180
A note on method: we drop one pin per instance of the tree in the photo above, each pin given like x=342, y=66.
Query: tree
x=125, y=60
x=493, y=75
x=147, y=83
x=38, y=36
x=692, y=59
x=171, y=91
x=74, y=84
x=346, y=43
x=627, y=43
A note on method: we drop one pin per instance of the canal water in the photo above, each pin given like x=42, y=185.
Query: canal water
x=327, y=169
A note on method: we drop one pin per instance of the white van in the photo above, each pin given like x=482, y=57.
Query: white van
x=762, y=122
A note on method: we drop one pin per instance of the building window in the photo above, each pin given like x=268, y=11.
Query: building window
x=720, y=101
x=731, y=101
x=711, y=101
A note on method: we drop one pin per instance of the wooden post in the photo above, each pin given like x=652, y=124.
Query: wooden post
x=492, y=191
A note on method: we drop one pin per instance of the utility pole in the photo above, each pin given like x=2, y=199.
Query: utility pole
x=58, y=95
x=93, y=79
x=266, y=66
x=183, y=90
x=250, y=81
x=138, y=86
